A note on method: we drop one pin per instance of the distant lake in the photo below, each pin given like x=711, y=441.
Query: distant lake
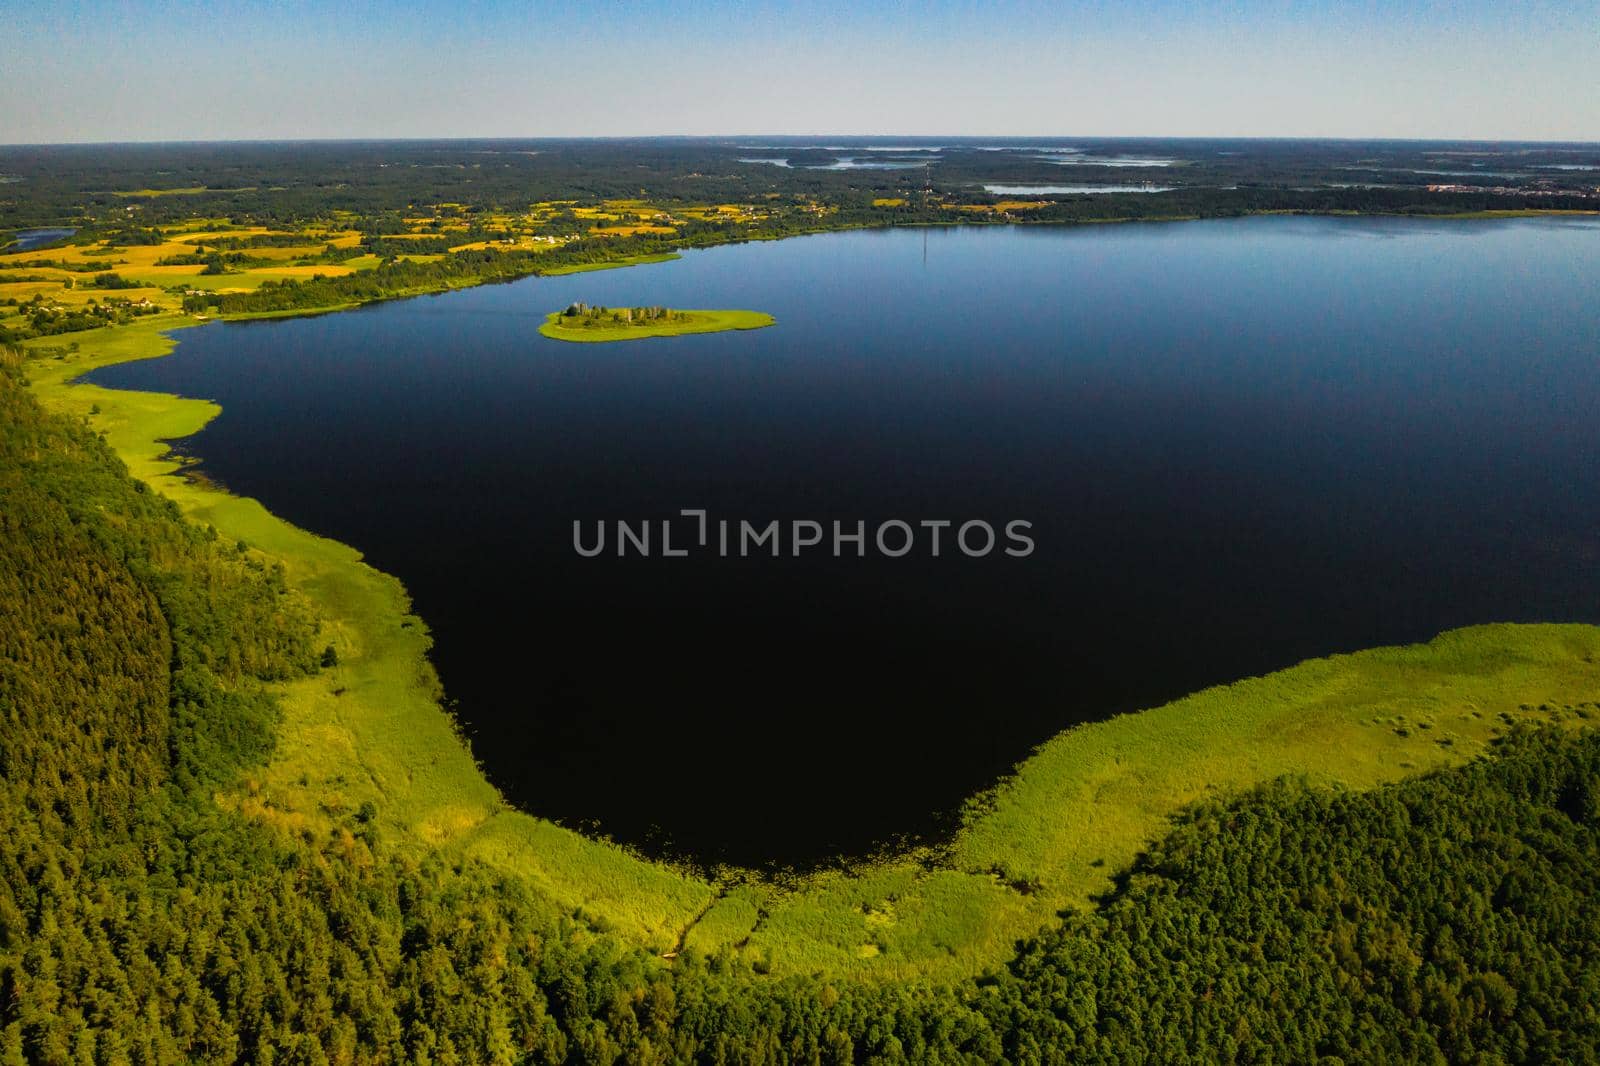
x=1240, y=443
x=29, y=239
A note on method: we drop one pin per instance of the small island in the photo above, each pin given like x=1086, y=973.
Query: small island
x=581, y=322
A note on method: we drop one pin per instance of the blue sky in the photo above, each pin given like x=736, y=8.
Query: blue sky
x=156, y=71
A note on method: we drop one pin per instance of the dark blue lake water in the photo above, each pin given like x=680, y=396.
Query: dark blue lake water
x=1239, y=443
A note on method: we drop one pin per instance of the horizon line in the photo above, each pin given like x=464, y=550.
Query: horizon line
x=718, y=137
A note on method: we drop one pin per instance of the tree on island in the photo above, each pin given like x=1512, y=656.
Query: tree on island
x=581, y=315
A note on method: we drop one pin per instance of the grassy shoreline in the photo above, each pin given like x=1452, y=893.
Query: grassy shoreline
x=632, y=260
x=372, y=729
x=1050, y=837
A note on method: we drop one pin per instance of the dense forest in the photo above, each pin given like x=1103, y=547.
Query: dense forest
x=276, y=183
x=1447, y=918
x=130, y=189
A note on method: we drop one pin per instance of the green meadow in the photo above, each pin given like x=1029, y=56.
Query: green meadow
x=1076, y=811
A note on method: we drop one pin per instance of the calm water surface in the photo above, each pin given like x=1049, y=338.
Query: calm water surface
x=1240, y=444
x=29, y=239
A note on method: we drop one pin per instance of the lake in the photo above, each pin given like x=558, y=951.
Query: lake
x=1239, y=444
x=29, y=239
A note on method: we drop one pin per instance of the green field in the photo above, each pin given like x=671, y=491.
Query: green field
x=690, y=322
x=373, y=730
